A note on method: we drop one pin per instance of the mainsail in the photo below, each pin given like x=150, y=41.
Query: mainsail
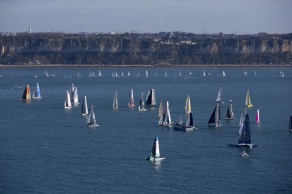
x=115, y=101
x=141, y=104
x=26, y=93
x=219, y=96
x=247, y=100
x=91, y=121
x=215, y=119
x=188, y=107
x=74, y=95
x=245, y=136
x=161, y=114
x=37, y=92
x=155, y=153
x=68, y=103
x=151, y=99
x=167, y=119
x=230, y=114
x=131, y=103
x=258, y=117
x=84, y=109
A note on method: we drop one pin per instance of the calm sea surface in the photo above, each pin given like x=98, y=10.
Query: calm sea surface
x=47, y=149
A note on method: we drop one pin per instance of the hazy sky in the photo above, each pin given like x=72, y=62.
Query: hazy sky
x=227, y=16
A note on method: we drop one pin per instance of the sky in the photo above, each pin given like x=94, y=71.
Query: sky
x=144, y=16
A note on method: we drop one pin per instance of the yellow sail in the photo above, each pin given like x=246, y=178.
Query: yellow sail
x=188, y=107
x=247, y=100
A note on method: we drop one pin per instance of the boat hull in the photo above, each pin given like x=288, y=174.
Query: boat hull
x=183, y=128
x=243, y=145
x=155, y=159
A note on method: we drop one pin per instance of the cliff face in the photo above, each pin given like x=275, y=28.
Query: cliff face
x=153, y=49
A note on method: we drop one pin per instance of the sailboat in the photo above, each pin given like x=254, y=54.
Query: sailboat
x=37, y=92
x=116, y=102
x=91, y=121
x=258, y=117
x=151, y=98
x=141, y=104
x=230, y=114
x=84, y=109
x=74, y=95
x=223, y=74
x=99, y=74
x=247, y=100
x=188, y=107
x=161, y=114
x=26, y=93
x=146, y=74
x=290, y=124
x=167, y=118
x=215, y=119
x=219, y=97
x=204, y=74
x=131, y=103
x=155, y=153
x=245, y=135
x=187, y=126
x=67, y=103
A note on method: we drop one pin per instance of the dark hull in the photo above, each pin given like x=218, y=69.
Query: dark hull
x=242, y=145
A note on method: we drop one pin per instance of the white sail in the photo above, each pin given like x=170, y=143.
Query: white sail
x=37, y=92
x=204, y=74
x=223, y=73
x=91, y=121
x=68, y=103
x=167, y=120
x=219, y=96
x=115, y=102
x=146, y=74
x=99, y=74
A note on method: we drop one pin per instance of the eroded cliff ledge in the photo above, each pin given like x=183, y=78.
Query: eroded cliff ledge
x=145, y=49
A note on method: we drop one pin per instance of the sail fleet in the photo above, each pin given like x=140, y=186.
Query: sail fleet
x=164, y=112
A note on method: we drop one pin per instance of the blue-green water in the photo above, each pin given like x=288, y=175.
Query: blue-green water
x=47, y=149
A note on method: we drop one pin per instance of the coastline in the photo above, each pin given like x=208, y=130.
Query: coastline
x=139, y=66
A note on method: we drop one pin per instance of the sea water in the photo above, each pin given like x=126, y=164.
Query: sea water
x=47, y=149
